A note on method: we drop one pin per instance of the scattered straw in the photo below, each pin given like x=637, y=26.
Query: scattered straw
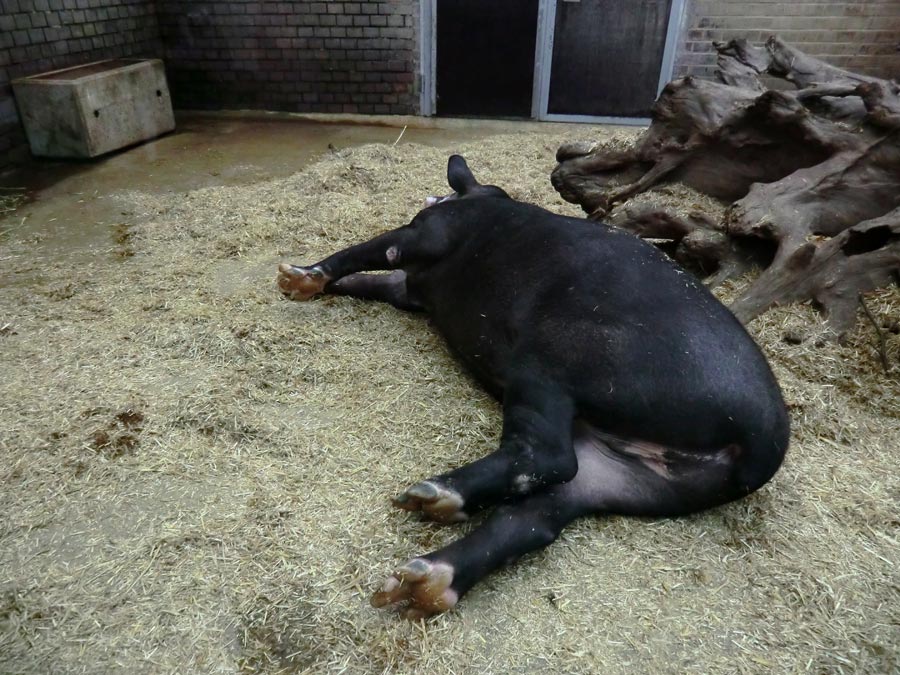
x=10, y=200
x=196, y=472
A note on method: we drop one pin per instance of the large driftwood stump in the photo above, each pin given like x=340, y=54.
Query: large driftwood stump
x=811, y=169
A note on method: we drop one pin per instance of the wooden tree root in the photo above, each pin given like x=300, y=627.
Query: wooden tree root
x=813, y=174
x=833, y=273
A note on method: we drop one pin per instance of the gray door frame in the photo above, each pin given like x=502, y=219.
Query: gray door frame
x=543, y=57
x=427, y=57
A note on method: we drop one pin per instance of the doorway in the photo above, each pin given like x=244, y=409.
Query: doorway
x=556, y=60
x=485, y=57
x=607, y=56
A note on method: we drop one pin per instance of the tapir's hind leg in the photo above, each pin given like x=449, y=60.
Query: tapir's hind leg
x=433, y=583
x=535, y=451
x=607, y=481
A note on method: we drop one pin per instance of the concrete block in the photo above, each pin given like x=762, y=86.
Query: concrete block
x=96, y=108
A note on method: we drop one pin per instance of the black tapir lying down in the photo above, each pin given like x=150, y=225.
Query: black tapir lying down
x=627, y=388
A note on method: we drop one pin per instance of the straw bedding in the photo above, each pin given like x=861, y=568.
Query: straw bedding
x=196, y=471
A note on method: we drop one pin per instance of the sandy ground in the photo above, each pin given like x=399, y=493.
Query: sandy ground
x=196, y=472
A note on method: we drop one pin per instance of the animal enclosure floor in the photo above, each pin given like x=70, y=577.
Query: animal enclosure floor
x=73, y=206
x=196, y=472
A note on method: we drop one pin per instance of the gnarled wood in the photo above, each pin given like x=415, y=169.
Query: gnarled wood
x=832, y=272
x=812, y=172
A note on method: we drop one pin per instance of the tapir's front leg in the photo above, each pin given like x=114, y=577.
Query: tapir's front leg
x=390, y=288
x=388, y=251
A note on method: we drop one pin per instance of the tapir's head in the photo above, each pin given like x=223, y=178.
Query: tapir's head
x=464, y=184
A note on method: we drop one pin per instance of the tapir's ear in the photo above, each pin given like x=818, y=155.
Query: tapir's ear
x=459, y=176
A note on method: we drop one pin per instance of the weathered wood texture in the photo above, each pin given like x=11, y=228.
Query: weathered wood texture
x=812, y=173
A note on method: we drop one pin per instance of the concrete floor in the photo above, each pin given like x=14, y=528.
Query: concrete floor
x=69, y=210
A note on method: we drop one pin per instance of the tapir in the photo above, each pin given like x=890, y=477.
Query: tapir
x=626, y=386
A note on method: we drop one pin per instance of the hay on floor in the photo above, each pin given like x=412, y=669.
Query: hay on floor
x=196, y=471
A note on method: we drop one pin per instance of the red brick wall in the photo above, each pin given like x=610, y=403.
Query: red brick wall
x=305, y=55
x=41, y=35
x=863, y=35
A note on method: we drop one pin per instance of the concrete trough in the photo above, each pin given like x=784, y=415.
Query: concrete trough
x=95, y=108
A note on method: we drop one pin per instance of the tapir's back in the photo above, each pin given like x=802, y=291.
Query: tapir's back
x=633, y=336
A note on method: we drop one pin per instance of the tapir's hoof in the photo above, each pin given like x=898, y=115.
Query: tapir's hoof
x=434, y=501
x=300, y=283
x=419, y=589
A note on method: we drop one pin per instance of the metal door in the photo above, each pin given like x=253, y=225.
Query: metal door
x=485, y=57
x=593, y=60
x=607, y=56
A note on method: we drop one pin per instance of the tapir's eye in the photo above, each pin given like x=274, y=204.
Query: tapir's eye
x=431, y=201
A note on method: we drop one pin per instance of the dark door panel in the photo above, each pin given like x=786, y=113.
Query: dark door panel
x=485, y=57
x=607, y=56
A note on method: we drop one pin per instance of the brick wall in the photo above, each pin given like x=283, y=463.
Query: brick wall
x=309, y=56
x=41, y=35
x=361, y=57
x=863, y=35
x=303, y=56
